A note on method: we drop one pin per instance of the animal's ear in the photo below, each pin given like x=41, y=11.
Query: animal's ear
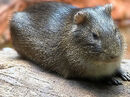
x=108, y=8
x=79, y=17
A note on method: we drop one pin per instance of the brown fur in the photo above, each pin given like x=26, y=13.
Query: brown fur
x=55, y=36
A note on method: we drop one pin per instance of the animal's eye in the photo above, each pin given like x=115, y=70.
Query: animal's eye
x=95, y=36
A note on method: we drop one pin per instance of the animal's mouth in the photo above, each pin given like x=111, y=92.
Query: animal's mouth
x=114, y=61
x=103, y=57
x=113, y=58
x=110, y=58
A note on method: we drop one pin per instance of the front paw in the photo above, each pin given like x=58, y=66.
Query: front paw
x=114, y=81
x=111, y=81
x=124, y=75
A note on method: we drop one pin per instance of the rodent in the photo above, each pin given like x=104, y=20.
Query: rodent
x=74, y=42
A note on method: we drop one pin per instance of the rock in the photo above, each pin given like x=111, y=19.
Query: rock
x=21, y=78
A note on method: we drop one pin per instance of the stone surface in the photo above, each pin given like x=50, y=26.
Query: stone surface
x=21, y=78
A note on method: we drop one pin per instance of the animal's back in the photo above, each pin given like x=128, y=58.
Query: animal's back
x=38, y=30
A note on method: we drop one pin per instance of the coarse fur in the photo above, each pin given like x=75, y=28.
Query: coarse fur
x=74, y=42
